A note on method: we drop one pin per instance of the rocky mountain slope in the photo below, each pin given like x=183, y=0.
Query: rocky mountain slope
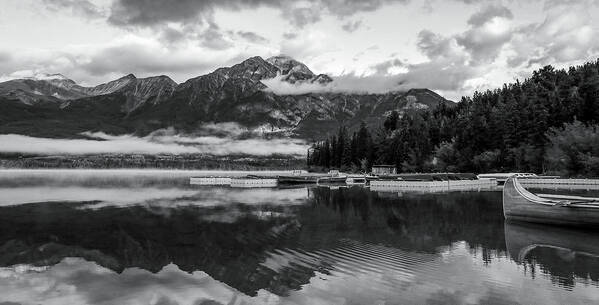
x=230, y=94
x=61, y=90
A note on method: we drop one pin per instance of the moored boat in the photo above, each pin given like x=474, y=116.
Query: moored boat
x=356, y=180
x=522, y=205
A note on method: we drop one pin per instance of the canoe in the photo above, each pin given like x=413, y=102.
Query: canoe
x=522, y=205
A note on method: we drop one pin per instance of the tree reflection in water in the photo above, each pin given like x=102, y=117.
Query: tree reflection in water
x=266, y=244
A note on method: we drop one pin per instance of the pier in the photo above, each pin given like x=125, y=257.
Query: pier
x=431, y=186
x=254, y=182
x=210, y=181
x=573, y=184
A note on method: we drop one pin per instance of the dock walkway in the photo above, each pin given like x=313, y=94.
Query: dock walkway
x=581, y=184
x=431, y=186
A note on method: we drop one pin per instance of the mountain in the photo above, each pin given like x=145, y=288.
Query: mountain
x=41, y=88
x=292, y=69
x=136, y=90
x=53, y=105
x=61, y=90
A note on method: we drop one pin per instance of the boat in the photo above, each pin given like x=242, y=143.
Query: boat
x=356, y=180
x=522, y=205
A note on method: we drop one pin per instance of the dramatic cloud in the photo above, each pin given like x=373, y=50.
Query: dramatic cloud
x=563, y=37
x=300, y=16
x=157, y=143
x=145, y=56
x=252, y=37
x=488, y=13
x=477, y=57
x=435, y=46
x=94, y=64
x=299, y=13
x=212, y=38
x=82, y=8
x=482, y=45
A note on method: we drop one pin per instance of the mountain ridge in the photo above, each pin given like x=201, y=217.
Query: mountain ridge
x=228, y=94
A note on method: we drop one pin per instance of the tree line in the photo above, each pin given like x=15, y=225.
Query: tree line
x=544, y=124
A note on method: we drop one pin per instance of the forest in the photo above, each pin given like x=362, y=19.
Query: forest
x=546, y=124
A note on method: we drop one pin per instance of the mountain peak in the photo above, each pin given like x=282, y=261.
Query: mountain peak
x=255, y=60
x=288, y=65
x=47, y=76
x=128, y=76
x=254, y=68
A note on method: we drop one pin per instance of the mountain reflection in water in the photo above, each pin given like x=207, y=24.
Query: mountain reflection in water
x=290, y=246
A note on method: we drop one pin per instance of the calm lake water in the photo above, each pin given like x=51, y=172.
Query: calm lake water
x=122, y=237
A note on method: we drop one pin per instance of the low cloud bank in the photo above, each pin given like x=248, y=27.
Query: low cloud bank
x=162, y=142
x=440, y=75
x=345, y=84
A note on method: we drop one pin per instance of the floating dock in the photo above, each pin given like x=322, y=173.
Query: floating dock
x=297, y=178
x=254, y=182
x=573, y=184
x=210, y=181
x=431, y=186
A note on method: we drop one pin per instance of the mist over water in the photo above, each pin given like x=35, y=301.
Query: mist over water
x=140, y=237
x=220, y=139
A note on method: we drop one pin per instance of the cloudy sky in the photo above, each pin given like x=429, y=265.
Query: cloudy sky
x=451, y=46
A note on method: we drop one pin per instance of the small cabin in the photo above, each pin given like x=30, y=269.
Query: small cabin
x=382, y=170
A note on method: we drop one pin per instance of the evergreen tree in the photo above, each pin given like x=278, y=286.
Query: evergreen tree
x=501, y=130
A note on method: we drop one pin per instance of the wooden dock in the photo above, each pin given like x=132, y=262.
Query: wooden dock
x=573, y=184
x=431, y=186
x=296, y=177
x=210, y=180
x=254, y=182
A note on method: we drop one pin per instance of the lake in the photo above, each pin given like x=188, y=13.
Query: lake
x=147, y=237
